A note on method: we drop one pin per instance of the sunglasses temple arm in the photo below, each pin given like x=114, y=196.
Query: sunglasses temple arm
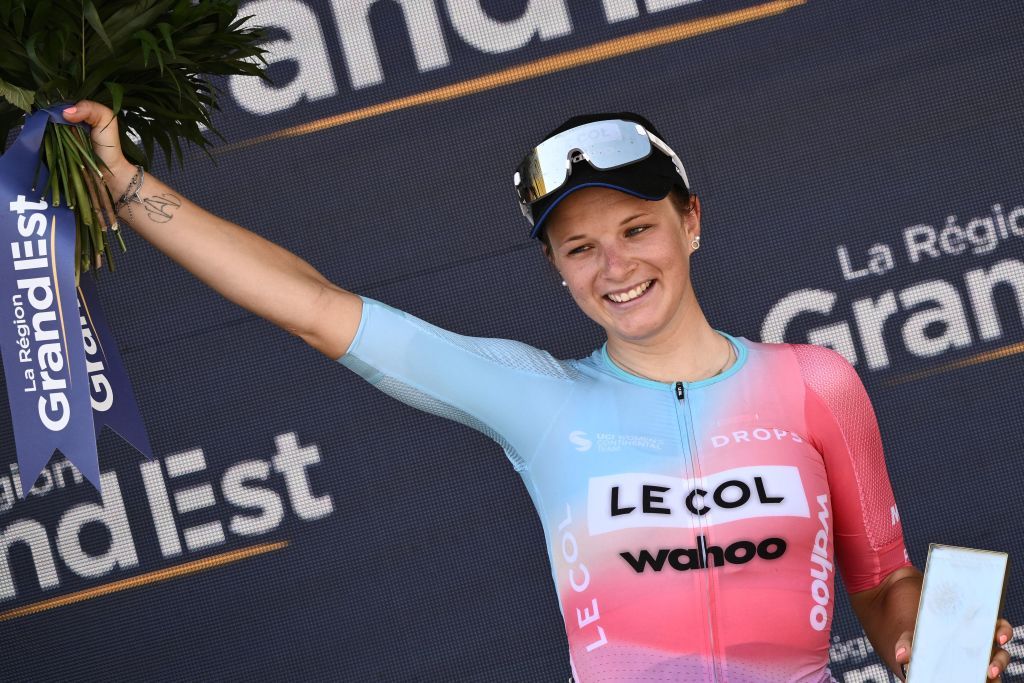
x=660, y=144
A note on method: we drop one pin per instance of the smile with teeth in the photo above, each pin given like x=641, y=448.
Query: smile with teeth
x=623, y=297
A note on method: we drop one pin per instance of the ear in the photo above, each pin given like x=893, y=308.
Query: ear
x=692, y=219
x=547, y=253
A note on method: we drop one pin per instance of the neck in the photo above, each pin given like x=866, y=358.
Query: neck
x=689, y=350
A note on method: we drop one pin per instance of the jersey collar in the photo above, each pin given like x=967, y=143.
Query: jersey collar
x=605, y=363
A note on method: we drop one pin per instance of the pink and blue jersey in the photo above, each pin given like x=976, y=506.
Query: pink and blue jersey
x=693, y=528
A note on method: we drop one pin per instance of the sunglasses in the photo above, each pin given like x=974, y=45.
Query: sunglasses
x=605, y=145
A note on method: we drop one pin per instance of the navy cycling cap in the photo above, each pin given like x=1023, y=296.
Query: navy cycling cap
x=650, y=178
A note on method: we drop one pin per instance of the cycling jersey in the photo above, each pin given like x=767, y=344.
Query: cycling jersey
x=692, y=528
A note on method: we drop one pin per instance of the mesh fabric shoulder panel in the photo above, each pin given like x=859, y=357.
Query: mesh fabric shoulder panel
x=843, y=424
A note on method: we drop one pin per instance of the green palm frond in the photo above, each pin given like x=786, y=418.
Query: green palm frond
x=148, y=60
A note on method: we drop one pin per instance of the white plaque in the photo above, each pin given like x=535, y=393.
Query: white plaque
x=961, y=600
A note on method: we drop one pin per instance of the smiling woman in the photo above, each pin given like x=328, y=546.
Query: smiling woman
x=685, y=543
x=628, y=269
x=619, y=223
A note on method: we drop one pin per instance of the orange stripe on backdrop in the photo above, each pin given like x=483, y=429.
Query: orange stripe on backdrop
x=983, y=357
x=88, y=314
x=143, y=579
x=566, y=60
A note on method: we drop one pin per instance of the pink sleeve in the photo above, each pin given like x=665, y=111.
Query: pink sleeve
x=843, y=427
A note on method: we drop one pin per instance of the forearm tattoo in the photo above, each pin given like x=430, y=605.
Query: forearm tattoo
x=161, y=207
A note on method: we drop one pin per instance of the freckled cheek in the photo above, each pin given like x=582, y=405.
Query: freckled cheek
x=675, y=262
x=581, y=280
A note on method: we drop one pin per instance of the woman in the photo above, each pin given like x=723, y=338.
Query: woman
x=694, y=487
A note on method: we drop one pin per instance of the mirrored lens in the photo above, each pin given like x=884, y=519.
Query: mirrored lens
x=609, y=144
x=605, y=144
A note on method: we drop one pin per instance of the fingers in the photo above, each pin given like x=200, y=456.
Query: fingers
x=100, y=118
x=903, y=644
x=104, y=136
x=1004, y=631
x=1000, y=657
x=1000, y=660
x=87, y=111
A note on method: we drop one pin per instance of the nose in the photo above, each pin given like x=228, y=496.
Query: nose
x=618, y=264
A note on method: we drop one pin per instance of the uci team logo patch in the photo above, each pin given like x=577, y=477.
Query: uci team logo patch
x=607, y=442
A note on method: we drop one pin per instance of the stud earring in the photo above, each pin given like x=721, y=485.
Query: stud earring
x=695, y=244
x=563, y=283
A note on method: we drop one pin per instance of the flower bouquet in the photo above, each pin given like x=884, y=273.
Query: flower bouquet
x=149, y=61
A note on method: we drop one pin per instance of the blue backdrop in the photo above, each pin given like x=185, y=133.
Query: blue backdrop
x=859, y=165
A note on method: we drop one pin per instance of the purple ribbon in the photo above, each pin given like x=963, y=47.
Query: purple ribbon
x=50, y=387
x=113, y=401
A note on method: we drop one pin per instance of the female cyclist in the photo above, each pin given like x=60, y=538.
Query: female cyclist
x=696, y=490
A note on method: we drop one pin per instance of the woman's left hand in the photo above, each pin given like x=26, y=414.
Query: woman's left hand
x=1000, y=657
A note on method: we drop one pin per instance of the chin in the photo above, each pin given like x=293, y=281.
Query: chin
x=633, y=333
x=634, y=327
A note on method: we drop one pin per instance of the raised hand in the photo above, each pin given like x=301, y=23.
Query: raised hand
x=105, y=142
x=1000, y=657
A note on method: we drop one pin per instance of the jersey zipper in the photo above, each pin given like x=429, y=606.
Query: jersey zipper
x=688, y=437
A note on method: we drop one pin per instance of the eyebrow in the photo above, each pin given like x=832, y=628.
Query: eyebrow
x=624, y=221
x=635, y=216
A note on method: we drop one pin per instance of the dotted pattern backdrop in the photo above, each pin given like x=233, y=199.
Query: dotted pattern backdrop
x=309, y=527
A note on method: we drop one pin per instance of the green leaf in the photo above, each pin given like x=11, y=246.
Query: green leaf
x=148, y=41
x=40, y=15
x=19, y=97
x=134, y=17
x=146, y=47
x=93, y=17
x=101, y=72
x=165, y=31
x=33, y=56
x=116, y=95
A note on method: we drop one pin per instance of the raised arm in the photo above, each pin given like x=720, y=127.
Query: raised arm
x=245, y=268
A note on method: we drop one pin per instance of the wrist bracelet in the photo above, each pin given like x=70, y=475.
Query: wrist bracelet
x=131, y=193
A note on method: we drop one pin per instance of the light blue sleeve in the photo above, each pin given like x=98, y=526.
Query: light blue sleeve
x=507, y=390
